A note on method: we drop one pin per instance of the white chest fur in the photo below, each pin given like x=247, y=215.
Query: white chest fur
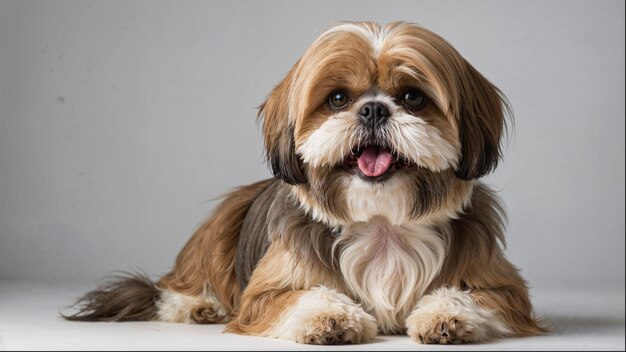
x=388, y=267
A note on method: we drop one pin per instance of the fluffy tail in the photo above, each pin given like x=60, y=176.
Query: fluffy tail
x=123, y=297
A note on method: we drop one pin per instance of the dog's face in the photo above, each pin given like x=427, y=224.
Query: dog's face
x=387, y=121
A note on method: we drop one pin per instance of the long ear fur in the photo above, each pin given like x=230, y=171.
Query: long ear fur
x=482, y=121
x=278, y=131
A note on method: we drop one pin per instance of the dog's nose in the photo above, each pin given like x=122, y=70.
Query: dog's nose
x=374, y=113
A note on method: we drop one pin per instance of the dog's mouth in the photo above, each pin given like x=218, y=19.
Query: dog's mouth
x=375, y=162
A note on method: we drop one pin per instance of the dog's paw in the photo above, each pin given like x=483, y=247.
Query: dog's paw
x=176, y=307
x=208, y=314
x=331, y=329
x=324, y=316
x=440, y=329
x=450, y=316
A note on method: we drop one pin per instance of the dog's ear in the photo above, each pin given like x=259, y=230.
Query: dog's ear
x=278, y=134
x=481, y=124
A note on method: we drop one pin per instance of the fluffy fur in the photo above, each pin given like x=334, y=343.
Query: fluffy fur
x=449, y=315
x=332, y=250
x=389, y=267
x=323, y=316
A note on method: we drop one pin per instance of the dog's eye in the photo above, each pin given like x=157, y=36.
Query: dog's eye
x=338, y=99
x=413, y=98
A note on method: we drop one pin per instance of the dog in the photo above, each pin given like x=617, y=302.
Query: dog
x=375, y=220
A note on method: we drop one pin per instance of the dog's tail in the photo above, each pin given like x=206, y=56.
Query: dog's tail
x=122, y=297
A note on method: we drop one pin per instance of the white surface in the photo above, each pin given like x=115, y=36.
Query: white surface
x=29, y=320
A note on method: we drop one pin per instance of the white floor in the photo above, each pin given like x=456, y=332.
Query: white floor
x=29, y=320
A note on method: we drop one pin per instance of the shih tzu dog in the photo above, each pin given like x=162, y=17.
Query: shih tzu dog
x=375, y=221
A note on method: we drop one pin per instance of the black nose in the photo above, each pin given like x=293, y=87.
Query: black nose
x=374, y=114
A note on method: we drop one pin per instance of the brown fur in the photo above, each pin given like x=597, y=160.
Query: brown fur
x=469, y=99
x=434, y=194
x=443, y=329
x=279, y=139
x=253, y=238
x=275, y=284
x=473, y=109
x=208, y=259
x=268, y=243
x=475, y=261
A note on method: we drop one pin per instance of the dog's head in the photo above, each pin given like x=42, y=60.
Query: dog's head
x=387, y=121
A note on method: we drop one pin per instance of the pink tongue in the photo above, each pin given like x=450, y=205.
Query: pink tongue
x=374, y=161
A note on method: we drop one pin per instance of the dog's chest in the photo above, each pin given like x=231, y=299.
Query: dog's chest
x=388, y=267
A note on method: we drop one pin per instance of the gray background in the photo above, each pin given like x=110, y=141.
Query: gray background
x=120, y=121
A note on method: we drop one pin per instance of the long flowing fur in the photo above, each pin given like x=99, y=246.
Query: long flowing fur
x=122, y=297
x=323, y=254
x=389, y=268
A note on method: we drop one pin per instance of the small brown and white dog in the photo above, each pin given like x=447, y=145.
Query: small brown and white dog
x=375, y=221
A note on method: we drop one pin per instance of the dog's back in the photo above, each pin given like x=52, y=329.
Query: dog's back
x=203, y=287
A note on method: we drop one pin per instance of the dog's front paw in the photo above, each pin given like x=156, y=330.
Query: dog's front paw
x=324, y=316
x=450, y=316
x=332, y=329
x=439, y=329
